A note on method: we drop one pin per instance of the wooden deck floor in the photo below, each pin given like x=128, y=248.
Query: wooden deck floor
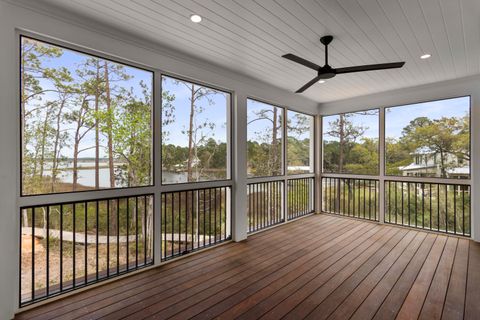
x=319, y=267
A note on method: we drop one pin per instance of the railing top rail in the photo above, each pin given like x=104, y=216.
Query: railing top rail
x=399, y=178
x=94, y=199
x=352, y=178
x=440, y=181
x=197, y=189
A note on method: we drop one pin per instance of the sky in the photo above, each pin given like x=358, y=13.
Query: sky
x=398, y=117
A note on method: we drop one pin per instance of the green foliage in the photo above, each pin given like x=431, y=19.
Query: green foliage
x=445, y=137
x=346, y=150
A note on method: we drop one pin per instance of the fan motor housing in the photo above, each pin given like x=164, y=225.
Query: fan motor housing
x=326, y=72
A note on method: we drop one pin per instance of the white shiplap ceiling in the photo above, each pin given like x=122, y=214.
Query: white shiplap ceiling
x=249, y=36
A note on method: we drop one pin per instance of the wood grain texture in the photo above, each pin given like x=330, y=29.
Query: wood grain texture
x=319, y=267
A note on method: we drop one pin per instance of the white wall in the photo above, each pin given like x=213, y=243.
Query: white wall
x=14, y=19
x=440, y=90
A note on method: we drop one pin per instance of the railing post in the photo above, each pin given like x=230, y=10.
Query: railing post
x=239, y=192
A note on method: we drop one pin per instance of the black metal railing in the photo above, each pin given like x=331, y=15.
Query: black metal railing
x=65, y=246
x=194, y=219
x=351, y=197
x=433, y=206
x=300, y=197
x=264, y=205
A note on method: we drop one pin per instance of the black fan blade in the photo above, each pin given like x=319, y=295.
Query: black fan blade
x=302, y=61
x=308, y=85
x=370, y=67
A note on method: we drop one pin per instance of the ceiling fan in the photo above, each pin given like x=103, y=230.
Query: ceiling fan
x=327, y=72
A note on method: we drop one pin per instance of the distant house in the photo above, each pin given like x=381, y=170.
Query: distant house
x=183, y=166
x=427, y=163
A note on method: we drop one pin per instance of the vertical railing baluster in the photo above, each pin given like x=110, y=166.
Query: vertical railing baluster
x=257, y=211
x=128, y=233
x=423, y=205
x=463, y=210
x=85, y=208
x=61, y=247
x=370, y=199
x=416, y=203
x=403, y=200
x=179, y=222
x=108, y=238
x=446, y=208
x=33, y=253
x=164, y=224
x=438, y=207
x=172, y=225
x=431, y=194
x=226, y=210
x=364, y=198
x=47, y=271
x=74, y=230
x=374, y=209
x=454, y=209
x=146, y=230
x=215, y=206
x=389, y=204
x=408, y=202
x=136, y=231
x=96, y=239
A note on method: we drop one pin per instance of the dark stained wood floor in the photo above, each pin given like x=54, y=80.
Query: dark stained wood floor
x=319, y=267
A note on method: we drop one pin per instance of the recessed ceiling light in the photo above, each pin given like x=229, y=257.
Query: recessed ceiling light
x=321, y=81
x=425, y=56
x=195, y=18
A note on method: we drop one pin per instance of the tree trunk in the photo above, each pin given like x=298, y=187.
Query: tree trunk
x=97, y=130
x=75, y=160
x=190, y=135
x=109, y=127
x=44, y=141
x=341, y=143
x=56, y=147
x=442, y=163
x=274, y=155
x=76, y=145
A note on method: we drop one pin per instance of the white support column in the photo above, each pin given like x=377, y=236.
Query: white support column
x=475, y=166
x=285, y=163
x=318, y=164
x=157, y=213
x=9, y=157
x=239, y=145
x=381, y=175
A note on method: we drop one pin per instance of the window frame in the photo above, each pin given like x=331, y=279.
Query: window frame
x=379, y=143
x=85, y=51
x=230, y=120
x=457, y=181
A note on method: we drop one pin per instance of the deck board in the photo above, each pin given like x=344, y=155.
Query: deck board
x=318, y=267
